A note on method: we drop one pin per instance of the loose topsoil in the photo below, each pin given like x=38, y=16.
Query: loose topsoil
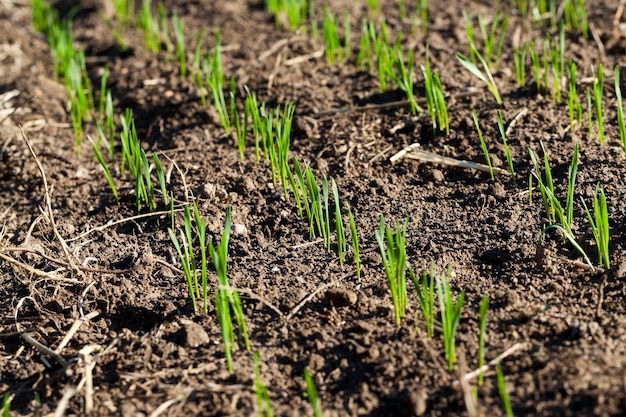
x=564, y=322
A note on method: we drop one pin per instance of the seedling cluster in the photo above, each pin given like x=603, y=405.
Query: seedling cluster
x=271, y=128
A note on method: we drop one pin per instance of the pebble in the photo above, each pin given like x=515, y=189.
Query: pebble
x=239, y=229
x=194, y=334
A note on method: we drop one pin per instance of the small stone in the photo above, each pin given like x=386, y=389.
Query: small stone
x=435, y=175
x=239, y=229
x=194, y=334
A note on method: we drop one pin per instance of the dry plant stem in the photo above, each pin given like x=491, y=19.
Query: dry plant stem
x=307, y=244
x=79, y=322
x=466, y=389
x=618, y=13
x=403, y=152
x=86, y=381
x=182, y=398
x=50, y=215
x=514, y=121
x=303, y=58
x=65, y=264
x=498, y=359
x=380, y=154
x=124, y=220
x=34, y=271
x=279, y=45
x=39, y=346
x=413, y=153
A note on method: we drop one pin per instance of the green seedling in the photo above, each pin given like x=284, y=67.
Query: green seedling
x=589, y=115
x=300, y=190
x=158, y=168
x=507, y=151
x=80, y=95
x=393, y=252
x=134, y=157
x=235, y=121
x=316, y=203
x=552, y=61
x=620, y=109
x=103, y=165
x=276, y=138
x=179, y=34
x=213, y=73
x=555, y=211
x=422, y=9
x=339, y=230
x=355, y=245
x=521, y=6
x=403, y=76
x=373, y=7
x=44, y=15
x=534, y=59
x=598, y=88
x=573, y=102
x=556, y=63
x=425, y=290
x=227, y=299
x=116, y=34
x=102, y=101
x=435, y=99
x=365, y=49
x=311, y=393
x=332, y=44
x=575, y=16
x=469, y=34
x=165, y=30
x=61, y=41
x=194, y=231
x=253, y=113
x=402, y=9
x=326, y=208
x=6, y=405
x=559, y=216
x=202, y=290
x=124, y=10
x=504, y=395
x=186, y=254
x=385, y=53
x=482, y=326
x=150, y=25
x=483, y=144
x=216, y=87
x=317, y=225
x=294, y=11
x=450, y=316
x=492, y=40
x=197, y=53
x=109, y=125
x=600, y=225
x=315, y=33
x=263, y=401
x=382, y=52
x=519, y=57
x=487, y=79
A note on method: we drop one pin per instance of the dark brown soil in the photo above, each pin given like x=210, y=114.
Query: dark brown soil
x=566, y=323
